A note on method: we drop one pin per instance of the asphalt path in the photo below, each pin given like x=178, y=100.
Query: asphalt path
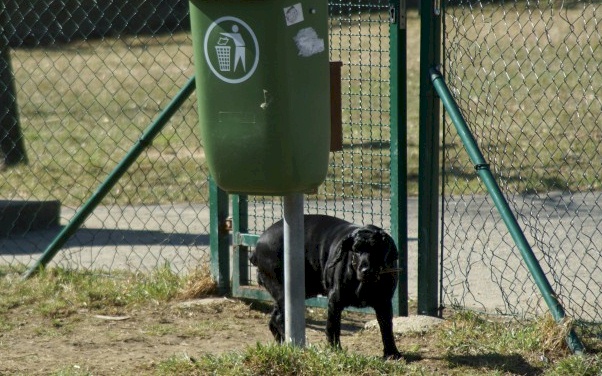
x=482, y=268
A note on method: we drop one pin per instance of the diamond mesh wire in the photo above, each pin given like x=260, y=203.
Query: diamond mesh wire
x=89, y=78
x=527, y=77
x=357, y=186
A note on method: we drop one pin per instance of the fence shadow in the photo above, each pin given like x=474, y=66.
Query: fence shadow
x=513, y=364
x=36, y=241
x=347, y=324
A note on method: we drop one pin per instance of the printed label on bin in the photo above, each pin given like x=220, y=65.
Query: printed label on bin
x=231, y=49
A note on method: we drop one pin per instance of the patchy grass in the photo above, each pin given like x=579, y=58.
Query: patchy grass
x=283, y=360
x=465, y=334
x=57, y=292
x=200, y=284
x=76, y=318
x=491, y=347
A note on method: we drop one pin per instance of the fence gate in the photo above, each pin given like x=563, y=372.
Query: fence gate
x=527, y=77
x=362, y=185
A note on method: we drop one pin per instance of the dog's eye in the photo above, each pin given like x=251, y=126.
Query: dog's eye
x=354, y=260
x=364, y=265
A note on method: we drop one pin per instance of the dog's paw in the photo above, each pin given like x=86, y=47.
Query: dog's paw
x=393, y=356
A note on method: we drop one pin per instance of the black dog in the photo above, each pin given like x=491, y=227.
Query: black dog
x=351, y=265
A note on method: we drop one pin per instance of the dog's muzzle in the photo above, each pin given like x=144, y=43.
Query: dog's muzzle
x=368, y=275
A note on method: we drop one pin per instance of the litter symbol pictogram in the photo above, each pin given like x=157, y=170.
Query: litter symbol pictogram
x=230, y=48
x=223, y=54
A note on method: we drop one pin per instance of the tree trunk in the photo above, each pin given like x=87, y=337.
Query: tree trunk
x=12, y=148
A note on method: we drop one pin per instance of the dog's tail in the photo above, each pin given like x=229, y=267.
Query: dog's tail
x=253, y=258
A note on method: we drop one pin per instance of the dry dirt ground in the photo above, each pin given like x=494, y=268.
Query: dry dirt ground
x=134, y=342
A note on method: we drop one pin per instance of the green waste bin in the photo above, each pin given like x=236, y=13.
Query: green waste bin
x=263, y=91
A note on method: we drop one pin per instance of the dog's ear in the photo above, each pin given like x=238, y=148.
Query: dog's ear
x=345, y=247
x=347, y=244
x=386, y=238
x=392, y=254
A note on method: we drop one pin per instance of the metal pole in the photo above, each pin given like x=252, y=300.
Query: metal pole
x=428, y=160
x=144, y=141
x=482, y=168
x=294, y=270
x=399, y=170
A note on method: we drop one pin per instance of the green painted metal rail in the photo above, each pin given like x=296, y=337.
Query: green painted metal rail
x=143, y=142
x=399, y=115
x=428, y=299
x=484, y=172
x=219, y=237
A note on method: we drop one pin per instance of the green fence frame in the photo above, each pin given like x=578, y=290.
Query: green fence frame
x=432, y=90
x=143, y=142
x=482, y=168
x=243, y=240
x=428, y=179
x=399, y=153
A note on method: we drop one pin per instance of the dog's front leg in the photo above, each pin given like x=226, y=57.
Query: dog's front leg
x=333, y=324
x=384, y=316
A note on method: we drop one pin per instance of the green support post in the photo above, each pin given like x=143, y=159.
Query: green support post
x=484, y=172
x=219, y=237
x=240, y=225
x=143, y=142
x=428, y=178
x=399, y=202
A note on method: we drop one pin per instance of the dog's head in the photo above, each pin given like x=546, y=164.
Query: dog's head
x=371, y=252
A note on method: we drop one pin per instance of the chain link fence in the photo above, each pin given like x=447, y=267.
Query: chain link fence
x=527, y=76
x=358, y=184
x=89, y=78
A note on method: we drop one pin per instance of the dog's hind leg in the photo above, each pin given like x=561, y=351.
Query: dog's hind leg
x=277, y=323
x=273, y=285
x=333, y=324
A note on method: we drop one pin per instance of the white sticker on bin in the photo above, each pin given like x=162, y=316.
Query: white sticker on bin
x=308, y=42
x=293, y=14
